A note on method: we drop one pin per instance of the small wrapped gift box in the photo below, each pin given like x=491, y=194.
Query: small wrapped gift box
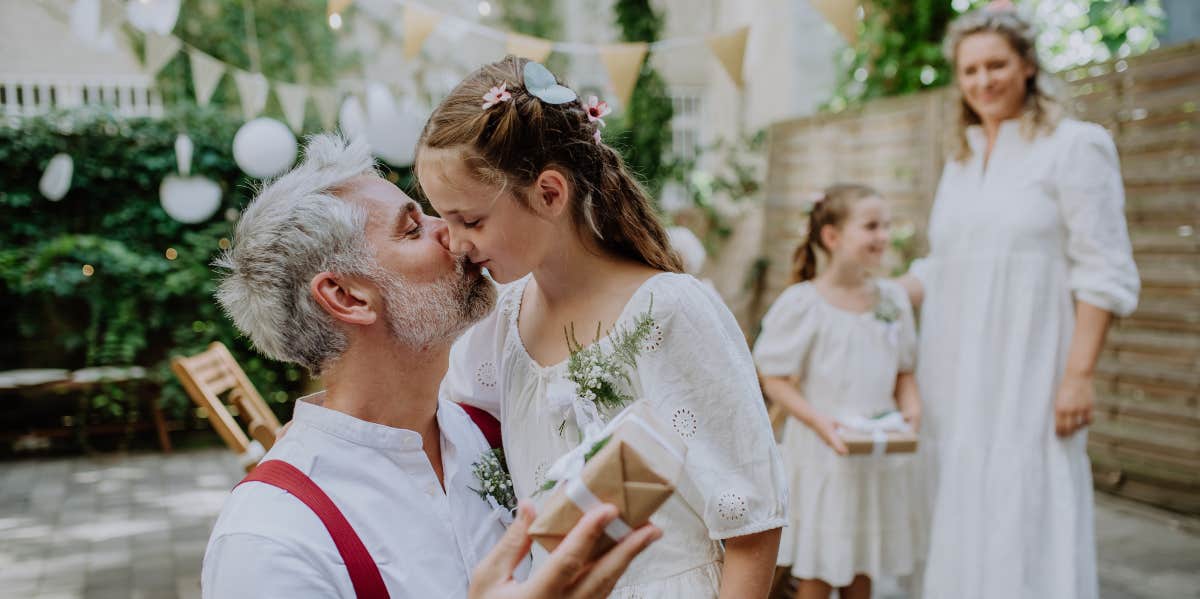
x=633, y=464
x=884, y=434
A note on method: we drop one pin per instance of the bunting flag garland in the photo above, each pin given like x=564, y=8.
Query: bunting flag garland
x=842, y=14
x=730, y=50
x=292, y=99
x=326, y=101
x=419, y=22
x=623, y=63
x=525, y=46
x=206, y=74
x=160, y=49
x=252, y=91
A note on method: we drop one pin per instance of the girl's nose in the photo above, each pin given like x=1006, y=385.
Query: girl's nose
x=439, y=230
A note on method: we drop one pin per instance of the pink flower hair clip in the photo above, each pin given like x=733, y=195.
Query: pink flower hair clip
x=596, y=111
x=496, y=95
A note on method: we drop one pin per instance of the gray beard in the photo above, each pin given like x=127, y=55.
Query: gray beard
x=422, y=314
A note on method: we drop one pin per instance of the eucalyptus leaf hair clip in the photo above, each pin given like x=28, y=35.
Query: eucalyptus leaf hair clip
x=540, y=82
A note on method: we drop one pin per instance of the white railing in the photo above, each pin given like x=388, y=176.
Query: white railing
x=30, y=96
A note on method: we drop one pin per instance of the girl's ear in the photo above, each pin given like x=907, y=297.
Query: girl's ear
x=830, y=235
x=551, y=194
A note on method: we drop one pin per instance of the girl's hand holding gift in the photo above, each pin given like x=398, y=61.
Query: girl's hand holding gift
x=827, y=429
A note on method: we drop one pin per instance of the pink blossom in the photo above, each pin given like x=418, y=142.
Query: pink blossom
x=496, y=95
x=596, y=110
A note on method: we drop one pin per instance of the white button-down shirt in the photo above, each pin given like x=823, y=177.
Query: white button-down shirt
x=266, y=543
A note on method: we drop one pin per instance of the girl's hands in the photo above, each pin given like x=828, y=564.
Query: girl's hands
x=827, y=429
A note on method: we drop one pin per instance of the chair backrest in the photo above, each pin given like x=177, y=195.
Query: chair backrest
x=213, y=372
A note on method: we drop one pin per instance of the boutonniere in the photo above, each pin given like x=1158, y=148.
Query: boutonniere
x=495, y=484
x=886, y=310
x=601, y=378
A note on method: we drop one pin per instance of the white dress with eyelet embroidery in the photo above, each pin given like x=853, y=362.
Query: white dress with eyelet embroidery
x=849, y=514
x=696, y=371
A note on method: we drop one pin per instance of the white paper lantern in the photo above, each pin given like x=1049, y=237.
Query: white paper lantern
x=392, y=130
x=157, y=16
x=264, y=148
x=189, y=199
x=690, y=249
x=56, y=179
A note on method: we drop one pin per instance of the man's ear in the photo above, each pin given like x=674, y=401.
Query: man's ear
x=551, y=193
x=343, y=298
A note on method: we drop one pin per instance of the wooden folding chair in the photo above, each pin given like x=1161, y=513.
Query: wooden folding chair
x=213, y=372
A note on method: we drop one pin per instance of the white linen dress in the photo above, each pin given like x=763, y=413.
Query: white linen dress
x=855, y=514
x=1013, y=246
x=697, y=374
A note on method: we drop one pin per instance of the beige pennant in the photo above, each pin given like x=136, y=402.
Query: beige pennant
x=842, y=14
x=418, y=24
x=292, y=99
x=525, y=46
x=623, y=63
x=326, y=99
x=112, y=14
x=160, y=49
x=337, y=6
x=730, y=50
x=252, y=91
x=206, y=74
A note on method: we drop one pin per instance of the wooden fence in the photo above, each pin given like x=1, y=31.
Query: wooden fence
x=1145, y=443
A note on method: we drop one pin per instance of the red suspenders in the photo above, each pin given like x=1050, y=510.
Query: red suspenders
x=364, y=574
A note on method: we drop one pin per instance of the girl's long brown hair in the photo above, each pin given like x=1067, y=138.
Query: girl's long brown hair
x=831, y=209
x=513, y=142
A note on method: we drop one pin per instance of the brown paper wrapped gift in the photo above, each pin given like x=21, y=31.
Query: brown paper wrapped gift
x=635, y=470
x=863, y=443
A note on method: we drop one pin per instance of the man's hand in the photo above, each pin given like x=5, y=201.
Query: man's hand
x=568, y=573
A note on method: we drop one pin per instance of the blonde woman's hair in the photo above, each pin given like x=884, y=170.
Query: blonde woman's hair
x=1042, y=110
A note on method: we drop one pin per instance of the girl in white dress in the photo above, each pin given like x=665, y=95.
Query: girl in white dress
x=515, y=165
x=847, y=339
x=1029, y=259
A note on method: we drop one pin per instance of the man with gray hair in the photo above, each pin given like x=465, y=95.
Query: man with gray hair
x=370, y=494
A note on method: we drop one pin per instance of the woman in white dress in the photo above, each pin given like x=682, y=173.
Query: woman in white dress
x=1029, y=260
x=529, y=190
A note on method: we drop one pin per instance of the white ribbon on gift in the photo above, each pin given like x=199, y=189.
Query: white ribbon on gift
x=878, y=428
x=563, y=398
x=567, y=469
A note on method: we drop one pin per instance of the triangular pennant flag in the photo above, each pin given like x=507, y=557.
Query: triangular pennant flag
x=730, y=49
x=842, y=14
x=623, y=63
x=337, y=6
x=252, y=90
x=112, y=14
x=418, y=23
x=160, y=49
x=206, y=74
x=525, y=46
x=292, y=99
x=325, y=99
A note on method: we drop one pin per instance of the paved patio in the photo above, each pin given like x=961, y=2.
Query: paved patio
x=135, y=527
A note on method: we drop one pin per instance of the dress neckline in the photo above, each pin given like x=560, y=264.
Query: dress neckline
x=515, y=329
x=859, y=314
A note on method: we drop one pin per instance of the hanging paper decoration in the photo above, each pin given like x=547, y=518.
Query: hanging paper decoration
x=292, y=99
x=206, y=74
x=93, y=22
x=56, y=179
x=392, y=131
x=842, y=14
x=623, y=63
x=730, y=50
x=352, y=118
x=533, y=48
x=325, y=99
x=337, y=6
x=252, y=91
x=185, y=198
x=157, y=16
x=160, y=49
x=264, y=148
x=418, y=24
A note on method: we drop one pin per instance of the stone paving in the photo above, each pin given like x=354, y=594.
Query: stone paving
x=135, y=527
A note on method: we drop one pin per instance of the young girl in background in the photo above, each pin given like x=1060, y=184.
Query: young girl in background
x=837, y=347
x=514, y=163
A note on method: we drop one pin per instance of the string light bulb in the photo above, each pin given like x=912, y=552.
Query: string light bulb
x=335, y=21
x=172, y=254
x=88, y=270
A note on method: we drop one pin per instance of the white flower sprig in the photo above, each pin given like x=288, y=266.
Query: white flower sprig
x=495, y=484
x=600, y=377
x=886, y=310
